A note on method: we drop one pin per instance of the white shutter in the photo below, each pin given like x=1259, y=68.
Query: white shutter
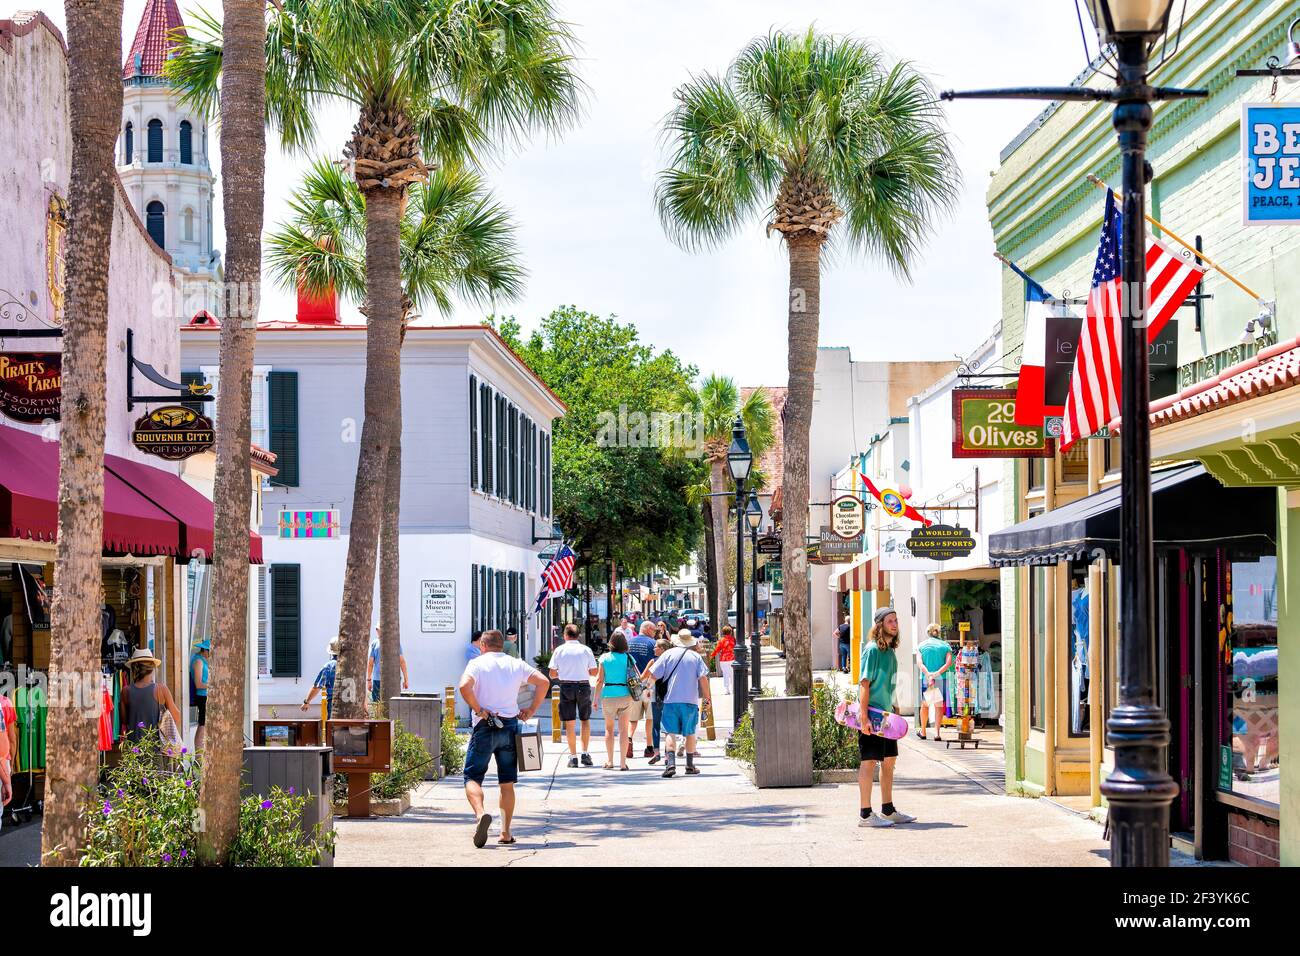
x=263, y=629
x=259, y=408
x=212, y=376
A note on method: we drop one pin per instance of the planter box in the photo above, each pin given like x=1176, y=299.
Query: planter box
x=391, y=808
x=782, y=742
x=307, y=769
x=421, y=716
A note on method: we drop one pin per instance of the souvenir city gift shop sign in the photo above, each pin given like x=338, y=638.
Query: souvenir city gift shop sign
x=848, y=516
x=173, y=432
x=31, y=385
x=1270, y=150
x=984, y=426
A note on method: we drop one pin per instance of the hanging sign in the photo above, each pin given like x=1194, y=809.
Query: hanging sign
x=941, y=542
x=984, y=426
x=895, y=556
x=309, y=524
x=438, y=607
x=848, y=516
x=769, y=544
x=1270, y=153
x=173, y=432
x=31, y=385
x=831, y=547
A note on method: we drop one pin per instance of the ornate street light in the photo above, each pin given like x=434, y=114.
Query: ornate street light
x=1139, y=789
x=739, y=460
x=754, y=517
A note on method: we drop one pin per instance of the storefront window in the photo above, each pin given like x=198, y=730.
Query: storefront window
x=1079, y=673
x=1037, y=473
x=1112, y=455
x=1074, y=463
x=1037, y=638
x=1112, y=613
x=1248, y=635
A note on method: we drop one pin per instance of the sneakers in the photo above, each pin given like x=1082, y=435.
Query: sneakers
x=649, y=752
x=629, y=750
x=898, y=816
x=586, y=760
x=655, y=758
x=692, y=771
x=874, y=820
x=573, y=762
x=669, y=771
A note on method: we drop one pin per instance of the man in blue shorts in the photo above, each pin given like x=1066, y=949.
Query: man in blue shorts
x=490, y=686
x=687, y=677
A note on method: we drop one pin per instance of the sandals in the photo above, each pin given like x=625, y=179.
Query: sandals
x=608, y=766
x=505, y=842
x=481, y=831
x=922, y=735
x=625, y=767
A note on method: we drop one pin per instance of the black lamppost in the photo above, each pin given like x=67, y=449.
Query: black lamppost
x=1139, y=789
x=754, y=517
x=586, y=594
x=739, y=460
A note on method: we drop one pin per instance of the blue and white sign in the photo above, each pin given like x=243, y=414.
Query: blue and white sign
x=1270, y=151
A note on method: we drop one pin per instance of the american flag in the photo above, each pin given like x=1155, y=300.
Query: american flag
x=1095, y=384
x=557, y=576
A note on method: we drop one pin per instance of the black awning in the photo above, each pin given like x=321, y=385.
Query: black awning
x=1190, y=509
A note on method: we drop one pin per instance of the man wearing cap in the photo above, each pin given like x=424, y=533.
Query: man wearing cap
x=325, y=681
x=199, y=690
x=687, y=677
x=876, y=689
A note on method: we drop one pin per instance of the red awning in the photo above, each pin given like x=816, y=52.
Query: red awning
x=146, y=510
x=861, y=577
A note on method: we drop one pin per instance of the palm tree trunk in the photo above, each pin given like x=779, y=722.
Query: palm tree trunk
x=805, y=313
x=383, y=368
x=718, y=530
x=243, y=164
x=710, y=559
x=390, y=617
x=95, y=107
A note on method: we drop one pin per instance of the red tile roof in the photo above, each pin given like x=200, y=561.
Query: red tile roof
x=1271, y=370
x=154, y=38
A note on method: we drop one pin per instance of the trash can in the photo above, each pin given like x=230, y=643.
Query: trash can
x=308, y=770
x=782, y=742
x=421, y=716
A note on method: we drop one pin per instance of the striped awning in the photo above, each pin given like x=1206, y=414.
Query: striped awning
x=863, y=575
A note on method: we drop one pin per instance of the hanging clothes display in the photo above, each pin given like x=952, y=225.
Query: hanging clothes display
x=968, y=660
x=31, y=707
x=985, y=696
x=105, y=715
x=1079, y=675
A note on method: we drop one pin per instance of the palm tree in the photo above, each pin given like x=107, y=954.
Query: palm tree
x=804, y=131
x=715, y=403
x=243, y=167
x=431, y=80
x=456, y=243
x=95, y=109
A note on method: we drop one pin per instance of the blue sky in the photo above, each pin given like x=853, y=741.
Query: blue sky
x=587, y=223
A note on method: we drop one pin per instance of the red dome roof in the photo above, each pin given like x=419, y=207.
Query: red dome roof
x=154, y=39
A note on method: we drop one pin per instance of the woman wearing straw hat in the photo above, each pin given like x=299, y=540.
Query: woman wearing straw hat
x=146, y=697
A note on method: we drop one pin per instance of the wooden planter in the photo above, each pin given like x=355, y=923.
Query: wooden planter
x=783, y=742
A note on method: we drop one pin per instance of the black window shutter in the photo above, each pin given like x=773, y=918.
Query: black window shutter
x=501, y=447
x=155, y=141
x=286, y=620
x=514, y=455
x=284, y=426
x=196, y=378
x=187, y=143
x=473, y=432
x=485, y=424
x=473, y=599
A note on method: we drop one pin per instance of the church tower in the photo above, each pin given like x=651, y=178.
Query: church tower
x=163, y=161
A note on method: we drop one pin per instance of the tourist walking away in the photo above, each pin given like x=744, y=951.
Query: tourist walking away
x=573, y=665
x=491, y=685
x=146, y=699
x=614, y=697
x=512, y=642
x=842, y=644
x=199, y=691
x=876, y=689
x=934, y=659
x=725, y=655
x=373, y=670
x=660, y=688
x=324, y=681
x=642, y=649
x=687, y=678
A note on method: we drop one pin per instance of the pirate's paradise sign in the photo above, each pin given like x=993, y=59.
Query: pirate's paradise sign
x=173, y=432
x=31, y=385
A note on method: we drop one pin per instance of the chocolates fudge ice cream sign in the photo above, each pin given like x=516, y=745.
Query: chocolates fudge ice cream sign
x=173, y=432
x=31, y=385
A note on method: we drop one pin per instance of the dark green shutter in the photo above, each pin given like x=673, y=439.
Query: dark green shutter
x=485, y=445
x=202, y=408
x=284, y=426
x=473, y=590
x=286, y=620
x=473, y=432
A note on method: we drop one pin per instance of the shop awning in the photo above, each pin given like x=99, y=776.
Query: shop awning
x=147, y=511
x=862, y=575
x=1190, y=509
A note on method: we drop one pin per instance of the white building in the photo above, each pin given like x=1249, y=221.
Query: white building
x=163, y=161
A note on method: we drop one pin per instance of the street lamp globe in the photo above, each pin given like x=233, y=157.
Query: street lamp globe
x=1292, y=61
x=739, y=457
x=1121, y=19
x=754, y=513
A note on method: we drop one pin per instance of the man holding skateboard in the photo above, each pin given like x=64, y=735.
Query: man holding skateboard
x=875, y=707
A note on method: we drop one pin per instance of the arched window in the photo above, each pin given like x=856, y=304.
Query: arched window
x=189, y=225
x=154, y=224
x=155, y=141
x=187, y=148
x=128, y=144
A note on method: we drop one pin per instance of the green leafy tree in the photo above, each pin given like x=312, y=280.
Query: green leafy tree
x=432, y=81
x=622, y=494
x=821, y=139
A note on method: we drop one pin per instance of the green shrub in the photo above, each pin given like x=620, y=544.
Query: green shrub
x=410, y=760
x=543, y=661
x=834, y=747
x=453, y=747
x=146, y=813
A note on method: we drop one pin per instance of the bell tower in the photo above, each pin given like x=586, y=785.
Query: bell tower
x=162, y=160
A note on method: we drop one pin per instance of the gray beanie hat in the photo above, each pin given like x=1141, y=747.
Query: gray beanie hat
x=883, y=613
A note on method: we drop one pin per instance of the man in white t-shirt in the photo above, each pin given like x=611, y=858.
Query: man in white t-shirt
x=573, y=665
x=490, y=686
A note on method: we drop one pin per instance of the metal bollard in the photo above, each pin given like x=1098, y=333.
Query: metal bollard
x=555, y=714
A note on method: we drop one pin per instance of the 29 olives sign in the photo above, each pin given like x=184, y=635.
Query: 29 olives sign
x=984, y=426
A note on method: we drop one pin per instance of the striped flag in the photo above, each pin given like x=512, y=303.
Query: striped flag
x=557, y=576
x=1095, y=385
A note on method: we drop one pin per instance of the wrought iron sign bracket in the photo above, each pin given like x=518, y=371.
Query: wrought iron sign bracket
x=554, y=536
x=181, y=393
